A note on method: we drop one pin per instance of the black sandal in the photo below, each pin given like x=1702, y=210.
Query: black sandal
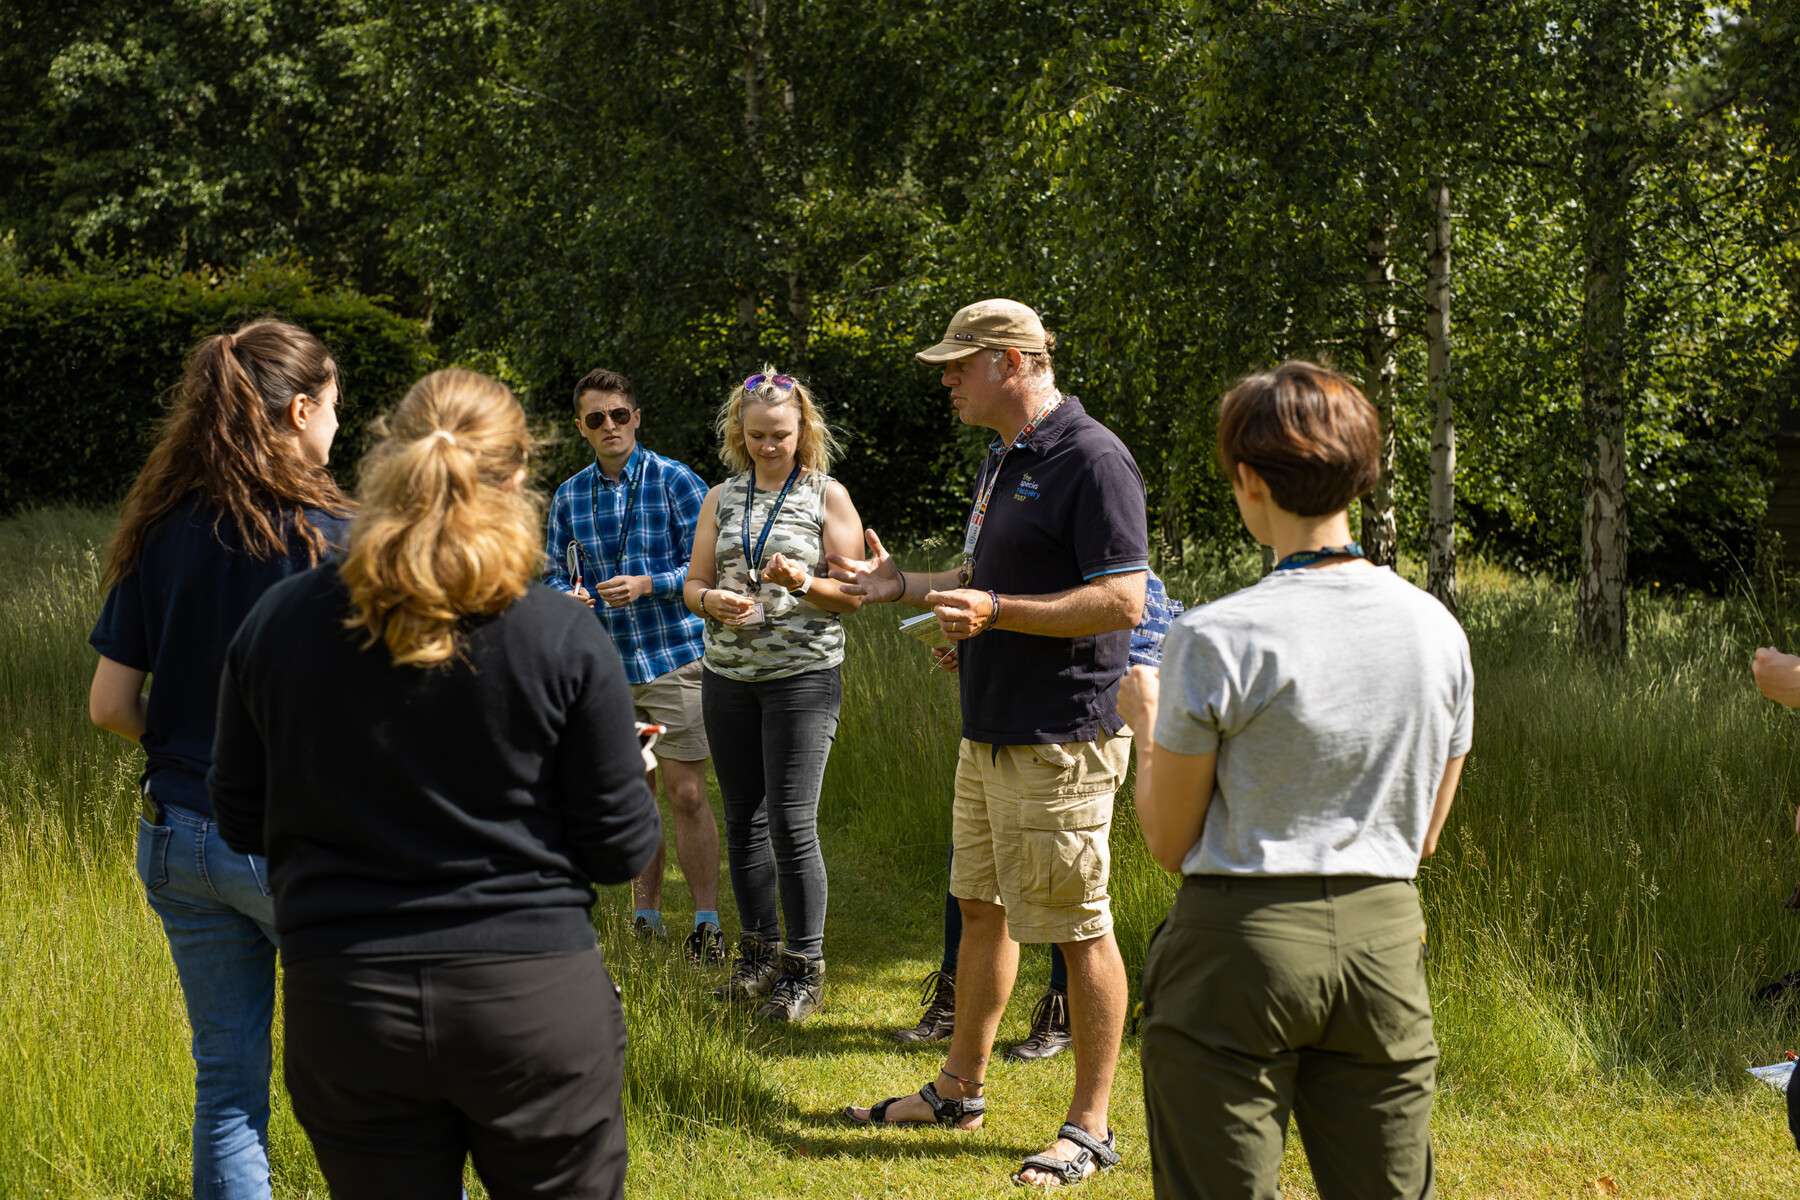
x=943, y=1112
x=1072, y=1170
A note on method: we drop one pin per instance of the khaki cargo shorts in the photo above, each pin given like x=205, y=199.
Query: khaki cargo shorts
x=1029, y=830
x=673, y=701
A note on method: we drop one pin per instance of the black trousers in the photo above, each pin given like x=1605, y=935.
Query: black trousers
x=770, y=742
x=400, y=1067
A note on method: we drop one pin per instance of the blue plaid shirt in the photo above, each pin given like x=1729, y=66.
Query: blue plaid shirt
x=1159, y=610
x=657, y=634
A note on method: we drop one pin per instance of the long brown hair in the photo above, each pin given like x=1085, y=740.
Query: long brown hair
x=445, y=528
x=222, y=438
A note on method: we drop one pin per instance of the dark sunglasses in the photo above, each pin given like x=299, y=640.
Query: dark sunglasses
x=781, y=383
x=619, y=416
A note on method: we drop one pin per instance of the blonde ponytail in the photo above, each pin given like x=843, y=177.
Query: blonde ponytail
x=445, y=529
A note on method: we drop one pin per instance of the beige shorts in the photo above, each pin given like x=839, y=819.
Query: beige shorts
x=673, y=701
x=1029, y=830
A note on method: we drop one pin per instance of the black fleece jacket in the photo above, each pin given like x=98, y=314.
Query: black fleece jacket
x=463, y=808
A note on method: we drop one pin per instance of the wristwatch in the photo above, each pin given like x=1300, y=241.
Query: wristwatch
x=805, y=586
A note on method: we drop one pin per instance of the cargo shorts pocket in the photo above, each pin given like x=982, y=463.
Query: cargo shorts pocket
x=1063, y=843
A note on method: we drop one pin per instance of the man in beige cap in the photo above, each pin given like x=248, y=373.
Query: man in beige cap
x=1052, y=581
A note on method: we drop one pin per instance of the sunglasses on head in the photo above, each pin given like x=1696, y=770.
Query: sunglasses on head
x=619, y=416
x=781, y=383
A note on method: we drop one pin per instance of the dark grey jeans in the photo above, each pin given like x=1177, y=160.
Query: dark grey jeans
x=770, y=742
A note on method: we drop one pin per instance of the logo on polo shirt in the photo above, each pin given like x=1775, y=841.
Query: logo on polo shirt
x=1027, y=489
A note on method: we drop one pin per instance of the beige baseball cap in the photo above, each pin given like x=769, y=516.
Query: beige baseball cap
x=988, y=325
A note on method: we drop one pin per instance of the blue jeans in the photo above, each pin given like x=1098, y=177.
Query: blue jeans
x=215, y=909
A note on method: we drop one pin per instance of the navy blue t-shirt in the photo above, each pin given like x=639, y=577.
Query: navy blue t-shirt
x=1068, y=508
x=174, y=615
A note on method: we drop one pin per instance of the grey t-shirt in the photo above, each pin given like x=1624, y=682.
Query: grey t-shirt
x=1333, y=698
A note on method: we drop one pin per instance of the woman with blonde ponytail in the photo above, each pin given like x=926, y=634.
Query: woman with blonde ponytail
x=438, y=755
x=234, y=498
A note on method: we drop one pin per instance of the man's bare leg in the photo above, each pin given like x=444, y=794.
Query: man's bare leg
x=646, y=889
x=1097, y=1021
x=987, y=965
x=696, y=831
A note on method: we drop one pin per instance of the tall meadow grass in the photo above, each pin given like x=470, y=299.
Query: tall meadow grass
x=1606, y=899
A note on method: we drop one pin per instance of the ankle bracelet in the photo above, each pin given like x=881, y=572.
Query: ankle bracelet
x=972, y=1083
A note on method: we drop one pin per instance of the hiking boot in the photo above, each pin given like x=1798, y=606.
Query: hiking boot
x=705, y=947
x=939, y=1022
x=645, y=931
x=1049, y=1030
x=754, y=972
x=799, y=993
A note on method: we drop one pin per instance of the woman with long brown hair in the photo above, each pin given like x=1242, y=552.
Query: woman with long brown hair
x=438, y=755
x=234, y=498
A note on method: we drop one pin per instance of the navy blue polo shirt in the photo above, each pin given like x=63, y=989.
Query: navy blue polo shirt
x=174, y=615
x=1068, y=508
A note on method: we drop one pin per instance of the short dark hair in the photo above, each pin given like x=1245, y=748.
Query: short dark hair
x=602, y=380
x=1307, y=431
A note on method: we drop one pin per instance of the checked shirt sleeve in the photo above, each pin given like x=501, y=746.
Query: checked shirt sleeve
x=686, y=494
x=555, y=540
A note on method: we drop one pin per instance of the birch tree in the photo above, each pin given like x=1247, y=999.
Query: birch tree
x=1380, y=534
x=1441, y=568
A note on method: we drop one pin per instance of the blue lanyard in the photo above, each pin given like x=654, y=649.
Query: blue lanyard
x=749, y=500
x=1306, y=558
x=631, y=491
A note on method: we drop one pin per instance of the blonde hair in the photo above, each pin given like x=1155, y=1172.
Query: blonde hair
x=817, y=446
x=446, y=529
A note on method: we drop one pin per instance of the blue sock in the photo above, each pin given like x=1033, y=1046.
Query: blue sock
x=652, y=917
x=706, y=916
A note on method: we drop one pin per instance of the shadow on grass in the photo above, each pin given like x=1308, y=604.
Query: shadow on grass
x=819, y=1133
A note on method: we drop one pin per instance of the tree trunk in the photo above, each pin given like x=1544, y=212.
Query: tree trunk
x=1379, y=533
x=1606, y=187
x=756, y=69
x=1441, y=572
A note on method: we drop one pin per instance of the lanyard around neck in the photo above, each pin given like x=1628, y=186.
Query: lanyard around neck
x=755, y=559
x=631, y=491
x=984, y=490
x=1306, y=558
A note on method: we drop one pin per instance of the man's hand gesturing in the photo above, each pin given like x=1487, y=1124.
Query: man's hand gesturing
x=873, y=578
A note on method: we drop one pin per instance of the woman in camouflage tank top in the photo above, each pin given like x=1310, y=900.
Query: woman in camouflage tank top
x=770, y=690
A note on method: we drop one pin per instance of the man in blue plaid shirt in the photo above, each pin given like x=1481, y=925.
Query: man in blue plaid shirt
x=621, y=533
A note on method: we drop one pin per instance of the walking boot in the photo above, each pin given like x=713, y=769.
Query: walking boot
x=799, y=993
x=939, y=1022
x=705, y=947
x=754, y=972
x=1049, y=1030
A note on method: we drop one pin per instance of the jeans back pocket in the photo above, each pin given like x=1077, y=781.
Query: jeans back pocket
x=153, y=854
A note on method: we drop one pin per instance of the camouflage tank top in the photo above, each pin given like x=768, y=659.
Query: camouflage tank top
x=794, y=636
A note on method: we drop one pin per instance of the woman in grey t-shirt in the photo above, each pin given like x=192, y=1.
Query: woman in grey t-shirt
x=1307, y=735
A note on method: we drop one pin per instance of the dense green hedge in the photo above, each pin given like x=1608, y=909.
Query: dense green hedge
x=87, y=364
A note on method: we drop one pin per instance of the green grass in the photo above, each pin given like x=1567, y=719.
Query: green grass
x=1606, y=899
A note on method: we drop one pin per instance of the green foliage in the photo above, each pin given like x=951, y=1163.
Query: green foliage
x=685, y=189
x=182, y=136
x=90, y=360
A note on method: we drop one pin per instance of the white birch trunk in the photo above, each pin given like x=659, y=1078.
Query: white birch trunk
x=1441, y=570
x=1380, y=535
x=1601, y=602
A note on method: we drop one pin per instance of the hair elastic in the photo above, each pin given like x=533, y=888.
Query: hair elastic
x=445, y=434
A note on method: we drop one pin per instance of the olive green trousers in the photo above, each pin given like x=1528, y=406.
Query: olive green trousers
x=1270, y=996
